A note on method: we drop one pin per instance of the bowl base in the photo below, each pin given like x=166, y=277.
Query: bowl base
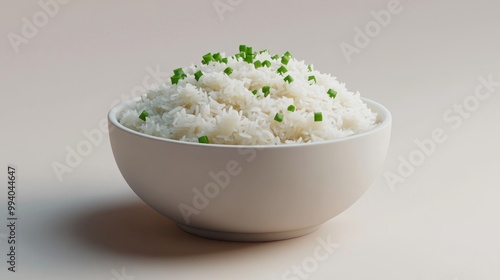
x=248, y=237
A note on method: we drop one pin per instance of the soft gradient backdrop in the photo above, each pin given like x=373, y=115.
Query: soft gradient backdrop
x=63, y=64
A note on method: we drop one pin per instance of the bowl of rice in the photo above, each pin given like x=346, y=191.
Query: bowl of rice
x=249, y=147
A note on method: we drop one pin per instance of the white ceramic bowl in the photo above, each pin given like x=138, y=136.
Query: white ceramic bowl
x=249, y=193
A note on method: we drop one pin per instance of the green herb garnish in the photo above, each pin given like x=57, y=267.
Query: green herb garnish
x=266, y=90
x=278, y=117
x=285, y=59
x=217, y=57
x=282, y=70
x=207, y=58
x=249, y=51
x=248, y=58
x=175, y=79
x=197, y=75
x=332, y=93
x=143, y=115
x=318, y=116
x=178, y=71
x=228, y=70
x=203, y=139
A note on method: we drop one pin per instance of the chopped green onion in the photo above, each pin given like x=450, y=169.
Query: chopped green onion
x=278, y=117
x=285, y=59
x=266, y=90
x=311, y=78
x=254, y=92
x=282, y=69
x=248, y=58
x=243, y=48
x=287, y=54
x=288, y=79
x=207, y=58
x=291, y=108
x=257, y=64
x=143, y=115
x=318, y=116
x=178, y=71
x=228, y=70
x=267, y=63
x=249, y=50
x=197, y=75
x=309, y=67
x=203, y=139
x=224, y=60
x=236, y=56
x=263, y=51
x=275, y=57
x=175, y=79
x=217, y=57
x=332, y=93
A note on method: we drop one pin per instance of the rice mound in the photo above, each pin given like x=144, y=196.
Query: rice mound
x=223, y=107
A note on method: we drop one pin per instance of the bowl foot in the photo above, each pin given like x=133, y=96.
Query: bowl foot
x=248, y=237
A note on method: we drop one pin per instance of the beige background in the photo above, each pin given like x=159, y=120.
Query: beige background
x=440, y=223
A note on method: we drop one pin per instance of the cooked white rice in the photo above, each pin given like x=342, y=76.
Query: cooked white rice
x=223, y=107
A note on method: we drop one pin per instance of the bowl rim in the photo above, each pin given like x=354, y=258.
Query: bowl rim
x=383, y=114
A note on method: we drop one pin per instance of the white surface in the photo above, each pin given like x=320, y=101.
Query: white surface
x=441, y=223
